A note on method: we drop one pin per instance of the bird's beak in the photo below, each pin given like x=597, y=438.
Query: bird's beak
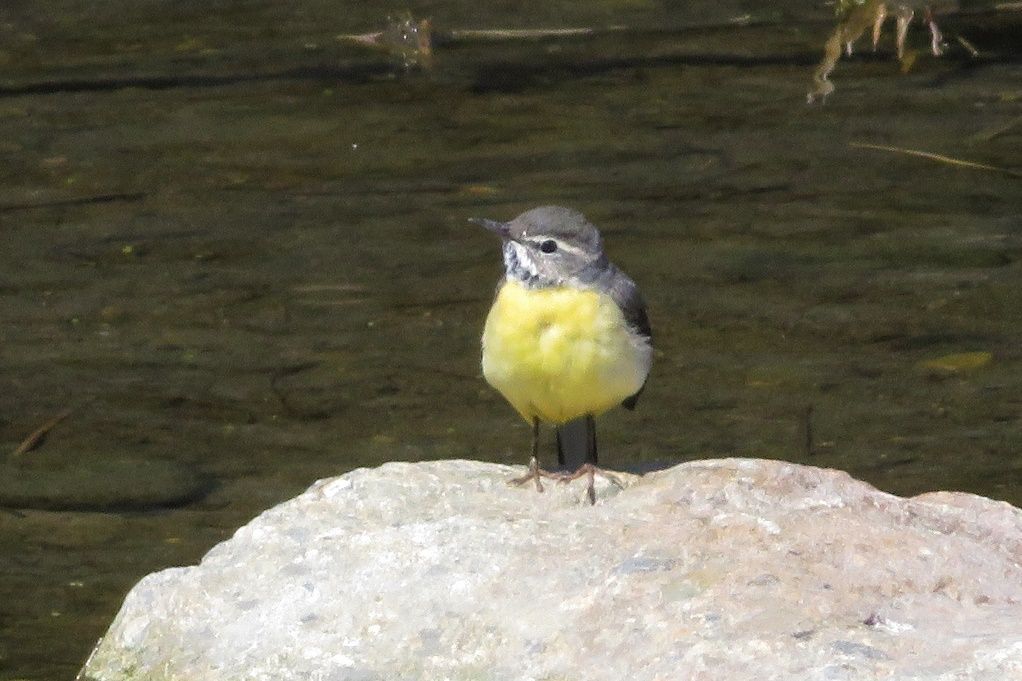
x=501, y=229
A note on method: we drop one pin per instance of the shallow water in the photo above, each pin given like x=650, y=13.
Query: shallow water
x=252, y=268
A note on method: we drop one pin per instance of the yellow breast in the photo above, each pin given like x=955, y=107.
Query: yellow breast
x=561, y=353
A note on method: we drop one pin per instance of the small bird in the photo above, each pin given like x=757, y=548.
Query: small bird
x=567, y=337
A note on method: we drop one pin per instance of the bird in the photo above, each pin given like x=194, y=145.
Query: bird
x=567, y=337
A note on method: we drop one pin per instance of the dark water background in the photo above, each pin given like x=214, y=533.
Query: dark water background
x=237, y=247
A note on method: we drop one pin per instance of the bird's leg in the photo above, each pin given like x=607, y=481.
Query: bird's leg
x=590, y=472
x=535, y=472
x=535, y=438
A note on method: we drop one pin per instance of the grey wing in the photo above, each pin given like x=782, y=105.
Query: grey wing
x=629, y=299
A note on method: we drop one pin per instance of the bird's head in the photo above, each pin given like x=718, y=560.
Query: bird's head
x=548, y=246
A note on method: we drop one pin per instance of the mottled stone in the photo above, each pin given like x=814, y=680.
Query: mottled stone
x=733, y=569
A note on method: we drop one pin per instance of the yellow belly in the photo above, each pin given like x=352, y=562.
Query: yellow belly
x=560, y=353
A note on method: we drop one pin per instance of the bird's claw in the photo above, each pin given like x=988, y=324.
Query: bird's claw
x=590, y=472
x=535, y=473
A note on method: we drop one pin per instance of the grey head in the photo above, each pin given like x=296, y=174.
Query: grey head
x=550, y=246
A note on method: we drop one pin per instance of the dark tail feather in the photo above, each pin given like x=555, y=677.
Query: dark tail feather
x=576, y=442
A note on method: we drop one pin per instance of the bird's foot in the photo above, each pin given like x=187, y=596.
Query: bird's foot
x=535, y=473
x=589, y=471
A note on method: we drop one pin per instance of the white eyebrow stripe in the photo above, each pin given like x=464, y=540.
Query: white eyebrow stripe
x=561, y=245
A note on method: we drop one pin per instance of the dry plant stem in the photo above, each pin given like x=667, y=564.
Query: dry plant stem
x=38, y=436
x=870, y=14
x=969, y=47
x=936, y=37
x=878, y=22
x=495, y=34
x=526, y=33
x=935, y=157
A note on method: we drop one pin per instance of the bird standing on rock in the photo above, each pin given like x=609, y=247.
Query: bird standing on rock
x=567, y=337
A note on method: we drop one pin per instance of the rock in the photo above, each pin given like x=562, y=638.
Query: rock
x=733, y=569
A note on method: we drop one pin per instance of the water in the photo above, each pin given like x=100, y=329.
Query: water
x=246, y=282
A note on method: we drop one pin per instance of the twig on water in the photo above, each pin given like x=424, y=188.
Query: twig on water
x=935, y=157
x=38, y=436
x=969, y=47
x=529, y=33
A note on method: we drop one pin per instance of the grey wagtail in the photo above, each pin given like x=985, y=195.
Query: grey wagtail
x=567, y=337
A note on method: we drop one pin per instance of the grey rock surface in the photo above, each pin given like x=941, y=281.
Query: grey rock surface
x=732, y=569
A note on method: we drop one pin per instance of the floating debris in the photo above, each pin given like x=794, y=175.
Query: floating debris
x=959, y=361
x=935, y=157
x=414, y=40
x=38, y=436
x=856, y=17
x=406, y=37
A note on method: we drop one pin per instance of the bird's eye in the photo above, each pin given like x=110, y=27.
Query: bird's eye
x=548, y=246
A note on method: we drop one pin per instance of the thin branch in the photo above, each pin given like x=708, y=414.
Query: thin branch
x=38, y=436
x=529, y=33
x=969, y=47
x=935, y=157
